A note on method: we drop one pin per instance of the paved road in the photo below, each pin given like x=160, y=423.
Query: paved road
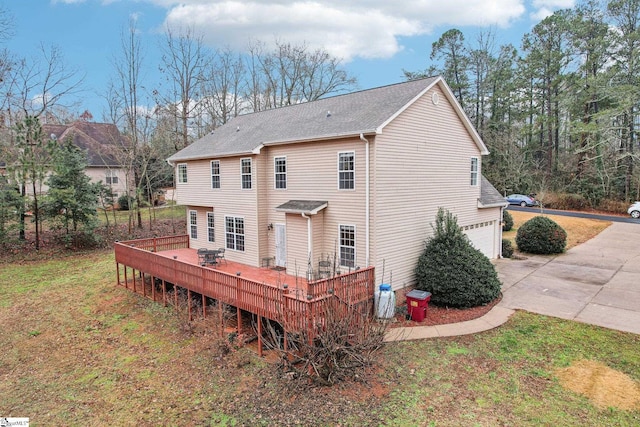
x=612, y=218
x=597, y=282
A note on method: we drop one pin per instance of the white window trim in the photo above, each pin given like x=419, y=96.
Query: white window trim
x=110, y=175
x=193, y=226
x=244, y=222
x=242, y=174
x=354, y=170
x=186, y=175
x=355, y=254
x=476, y=172
x=218, y=175
x=275, y=173
x=211, y=215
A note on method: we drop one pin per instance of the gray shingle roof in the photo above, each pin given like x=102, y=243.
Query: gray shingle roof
x=489, y=196
x=344, y=115
x=101, y=141
x=303, y=206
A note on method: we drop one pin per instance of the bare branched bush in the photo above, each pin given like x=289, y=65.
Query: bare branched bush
x=341, y=345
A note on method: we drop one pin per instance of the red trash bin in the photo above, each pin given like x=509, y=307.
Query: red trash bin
x=417, y=304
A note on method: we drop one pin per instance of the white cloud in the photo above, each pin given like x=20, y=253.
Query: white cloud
x=365, y=28
x=67, y=1
x=544, y=8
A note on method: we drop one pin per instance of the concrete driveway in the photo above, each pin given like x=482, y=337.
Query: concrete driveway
x=597, y=282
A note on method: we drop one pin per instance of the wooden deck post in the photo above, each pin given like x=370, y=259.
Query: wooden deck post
x=153, y=288
x=239, y=316
x=118, y=274
x=204, y=306
x=133, y=273
x=126, y=280
x=164, y=292
x=175, y=295
x=144, y=285
x=189, y=304
x=259, y=336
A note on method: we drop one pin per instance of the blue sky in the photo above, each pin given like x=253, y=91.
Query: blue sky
x=376, y=38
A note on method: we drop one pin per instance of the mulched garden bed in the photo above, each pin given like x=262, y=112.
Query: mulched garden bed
x=444, y=315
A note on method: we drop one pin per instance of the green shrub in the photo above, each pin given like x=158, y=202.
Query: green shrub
x=123, y=202
x=456, y=274
x=507, y=221
x=507, y=248
x=540, y=235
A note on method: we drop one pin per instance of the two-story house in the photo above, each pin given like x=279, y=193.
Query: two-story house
x=340, y=183
x=104, y=144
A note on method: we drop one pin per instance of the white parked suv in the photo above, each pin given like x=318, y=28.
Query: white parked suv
x=634, y=210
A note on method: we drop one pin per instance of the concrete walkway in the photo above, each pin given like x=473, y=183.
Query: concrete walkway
x=597, y=282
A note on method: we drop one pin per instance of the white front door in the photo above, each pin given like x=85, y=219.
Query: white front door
x=281, y=245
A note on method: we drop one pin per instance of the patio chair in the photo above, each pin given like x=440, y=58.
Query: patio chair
x=202, y=256
x=221, y=256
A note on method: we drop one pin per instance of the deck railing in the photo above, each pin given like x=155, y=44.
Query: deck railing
x=272, y=301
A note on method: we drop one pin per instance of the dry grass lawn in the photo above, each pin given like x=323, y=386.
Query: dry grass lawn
x=579, y=230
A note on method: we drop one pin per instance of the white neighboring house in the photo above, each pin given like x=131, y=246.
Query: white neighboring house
x=355, y=180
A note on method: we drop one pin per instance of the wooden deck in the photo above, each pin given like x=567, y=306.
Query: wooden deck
x=293, y=302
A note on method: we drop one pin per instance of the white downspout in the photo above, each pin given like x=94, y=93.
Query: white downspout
x=367, y=213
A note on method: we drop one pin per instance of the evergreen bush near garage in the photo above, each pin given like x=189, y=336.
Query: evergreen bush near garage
x=541, y=235
x=507, y=248
x=456, y=273
x=507, y=221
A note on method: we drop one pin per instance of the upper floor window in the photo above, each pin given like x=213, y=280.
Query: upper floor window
x=280, y=170
x=182, y=173
x=245, y=170
x=112, y=177
x=215, y=173
x=193, y=224
x=474, y=171
x=346, y=170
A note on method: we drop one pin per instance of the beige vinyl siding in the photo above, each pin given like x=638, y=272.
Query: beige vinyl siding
x=422, y=163
x=296, y=245
x=318, y=232
x=312, y=174
x=228, y=200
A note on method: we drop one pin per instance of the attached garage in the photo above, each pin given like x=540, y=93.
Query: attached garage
x=483, y=237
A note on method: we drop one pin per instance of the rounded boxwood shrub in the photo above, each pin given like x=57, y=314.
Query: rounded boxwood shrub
x=456, y=273
x=540, y=235
x=507, y=248
x=507, y=221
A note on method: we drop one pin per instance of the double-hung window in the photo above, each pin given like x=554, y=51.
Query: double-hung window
x=211, y=227
x=280, y=171
x=182, y=173
x=474, y=171
x=234, y=231
x=346, y=170
x=347, y=245
x=193, y=224
x=111, y=178
x=215, y=173
x=245, y=171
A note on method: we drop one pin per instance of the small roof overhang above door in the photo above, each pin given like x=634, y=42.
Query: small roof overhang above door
x=307, y=207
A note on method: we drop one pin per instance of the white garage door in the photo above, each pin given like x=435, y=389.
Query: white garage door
x=482, y=236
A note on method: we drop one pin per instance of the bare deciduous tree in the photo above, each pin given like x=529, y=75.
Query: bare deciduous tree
x=184, y=60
